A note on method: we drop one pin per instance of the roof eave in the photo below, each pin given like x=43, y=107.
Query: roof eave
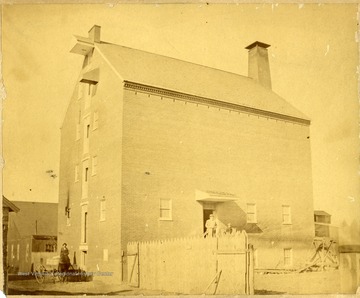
x=210, y=101
x=12, y=207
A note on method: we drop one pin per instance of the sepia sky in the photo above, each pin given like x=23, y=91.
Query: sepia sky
x=313, y=61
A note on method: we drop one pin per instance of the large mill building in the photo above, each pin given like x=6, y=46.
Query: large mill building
x=152, y=145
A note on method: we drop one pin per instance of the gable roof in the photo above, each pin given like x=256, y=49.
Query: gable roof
x=8, y=204
x=33, y=217
x=180, y=76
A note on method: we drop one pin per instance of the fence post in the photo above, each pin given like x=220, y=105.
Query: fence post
x=246, y=262
x=250, y=269
x=138, y=255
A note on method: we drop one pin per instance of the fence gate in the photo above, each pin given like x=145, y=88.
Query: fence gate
x=235, y=265
x=133, y=265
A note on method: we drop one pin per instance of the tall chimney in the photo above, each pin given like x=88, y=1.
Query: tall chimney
x=94, y=33
x=259, y=68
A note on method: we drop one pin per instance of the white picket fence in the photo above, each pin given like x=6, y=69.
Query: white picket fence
x=192, y=265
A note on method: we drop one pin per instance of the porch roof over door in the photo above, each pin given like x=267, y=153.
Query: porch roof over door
x=214, y=196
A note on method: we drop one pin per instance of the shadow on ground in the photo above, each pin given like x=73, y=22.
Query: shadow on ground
x=266, y=292
x=62, y=293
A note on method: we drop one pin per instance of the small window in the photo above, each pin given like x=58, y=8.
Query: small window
x=251, y=213
x=286, y=214
x=94, y=166
x=105, y=255
x=86, y=174
x=27, y=252
x=78, y=126
x=95, y=120
x=102, y=210
x=78, y=133
x=84, y=224
x=18, y=252
x=86, y=137
x=76, y=173
x=88, y=96
x=83, y=260
x=85, y=179
x=165, y=209
x=288, y=257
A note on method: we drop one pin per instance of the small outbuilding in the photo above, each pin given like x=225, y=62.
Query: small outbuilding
x=8, y=207
x=32, y=235
x=349, y=268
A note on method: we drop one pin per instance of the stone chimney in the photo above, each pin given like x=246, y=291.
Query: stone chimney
x=94, y=33
x=259, y=68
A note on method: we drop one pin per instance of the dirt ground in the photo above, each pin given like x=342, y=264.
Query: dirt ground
x=31, y=287
x=92, y=288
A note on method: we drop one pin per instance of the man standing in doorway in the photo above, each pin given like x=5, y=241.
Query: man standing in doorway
x=210, y=226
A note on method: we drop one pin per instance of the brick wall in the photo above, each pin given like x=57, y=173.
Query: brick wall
x=103, y=244
x=172, y=148
x=150, y=148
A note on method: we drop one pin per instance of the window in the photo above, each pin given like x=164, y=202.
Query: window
x=102, y=210
x=251, y=213
x=88, y=95
x=95, y=120
x=27, y=252
x=85, y=179
x=83, y=260
x=287, y=256
x=165, y=209
x=80, y=91
x=322, y=218
x=76, y=173
x=84, y=224
x=12, y=252
x=94, y=166
x=18, y=252
x=78, y=136
x=78, y=127
x=86, y=135
x=105, y=255
x=286, y=214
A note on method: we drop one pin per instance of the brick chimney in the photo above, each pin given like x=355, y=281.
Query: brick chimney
x=94, y=33
x=259, y=68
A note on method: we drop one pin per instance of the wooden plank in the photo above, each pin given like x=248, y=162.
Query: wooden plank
x=132, y=269
x=231, y=252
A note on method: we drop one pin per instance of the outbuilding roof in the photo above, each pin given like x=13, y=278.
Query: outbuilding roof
x=33, y=218
x=189, y=78
x=320, y=212
x=8, y=204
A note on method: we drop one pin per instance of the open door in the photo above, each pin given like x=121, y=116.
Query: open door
x=206, y=216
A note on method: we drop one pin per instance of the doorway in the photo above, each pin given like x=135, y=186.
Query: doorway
x=206, y=216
